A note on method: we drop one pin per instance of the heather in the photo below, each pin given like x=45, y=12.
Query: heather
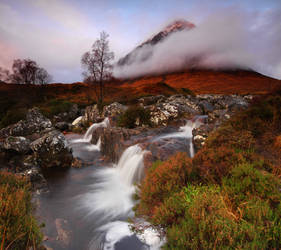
x=228, y=195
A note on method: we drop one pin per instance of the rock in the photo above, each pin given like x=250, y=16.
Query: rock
x=92, y=114
x=34, y=123
x=200, y=135
x=36, y=178
x=149, y=100
x=51, y=150
x=18, y=144
x=77, y=121
x=206, y=107
x=64, y=232
x=114, y=140
x=62, y=126
x=69, y=116
x=162, y=113
x=173, y=108
x=114, y=109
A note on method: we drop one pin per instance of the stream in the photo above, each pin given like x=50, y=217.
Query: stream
x=88, y=208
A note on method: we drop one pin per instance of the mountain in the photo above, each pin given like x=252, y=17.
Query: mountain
x=135, y=56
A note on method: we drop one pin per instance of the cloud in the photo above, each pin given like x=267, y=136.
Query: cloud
x=229, y=38
x=56, y=33
x=57, y=47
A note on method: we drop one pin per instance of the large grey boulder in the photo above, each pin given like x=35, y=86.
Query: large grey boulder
x=51, y=150
x=34, y=123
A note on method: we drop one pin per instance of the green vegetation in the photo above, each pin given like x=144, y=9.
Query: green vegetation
x=134, y=116
x=56, y=106
x=227, y=196
x=18, y=228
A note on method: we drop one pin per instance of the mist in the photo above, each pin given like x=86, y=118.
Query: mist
x=230, y=38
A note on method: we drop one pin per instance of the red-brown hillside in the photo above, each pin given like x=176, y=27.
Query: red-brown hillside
x=198, y=81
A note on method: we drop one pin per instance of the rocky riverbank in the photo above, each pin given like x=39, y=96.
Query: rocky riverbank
x=31, y=145
x=36, y=142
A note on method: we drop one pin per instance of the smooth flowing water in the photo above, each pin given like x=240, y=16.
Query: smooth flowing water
x=88, y=208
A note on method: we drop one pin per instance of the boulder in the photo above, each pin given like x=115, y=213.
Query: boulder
x=51, y=150
x=114, y=109
x=34, y=123
x=173, y=108
x=92, y=114
x=17, y=144
x=114, y=140
x=200, y=134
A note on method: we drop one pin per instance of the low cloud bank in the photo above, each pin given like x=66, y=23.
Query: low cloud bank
x=227, y=39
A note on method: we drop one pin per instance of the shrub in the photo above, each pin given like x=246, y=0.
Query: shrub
x=134, y=116
x=18, y=228
x=210, y=222
x=13, y=116
x=55, y=107
x=212, y=164
x=162, y=180
x=247, y=182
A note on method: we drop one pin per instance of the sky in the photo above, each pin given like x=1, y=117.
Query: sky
x=55, y=33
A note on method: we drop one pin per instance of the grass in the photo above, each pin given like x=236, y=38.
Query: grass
x=18, y=228
x=227, y=196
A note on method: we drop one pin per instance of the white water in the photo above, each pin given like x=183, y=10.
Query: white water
x=88, y=135
x=111, y=196
x=91, y=129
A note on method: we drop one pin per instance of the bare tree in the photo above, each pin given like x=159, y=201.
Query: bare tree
x=97, y=63
x=42, y=76
x=27, y=71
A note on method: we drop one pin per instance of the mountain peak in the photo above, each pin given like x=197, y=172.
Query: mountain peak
x=177, y=25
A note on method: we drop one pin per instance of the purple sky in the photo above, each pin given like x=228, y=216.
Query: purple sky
x=55, y=33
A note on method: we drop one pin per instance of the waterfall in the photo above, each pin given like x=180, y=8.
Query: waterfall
x=88, y=135
x=130, y=165
x=111, y=196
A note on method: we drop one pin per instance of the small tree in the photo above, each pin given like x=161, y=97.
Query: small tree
x=97, y=63
x=43, y=77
